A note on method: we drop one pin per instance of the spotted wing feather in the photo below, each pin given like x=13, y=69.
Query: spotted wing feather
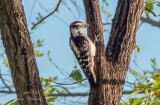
x=80, y=47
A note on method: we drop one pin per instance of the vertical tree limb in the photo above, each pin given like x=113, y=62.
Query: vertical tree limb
x=20, y=53
x=95, y=29
x=112, y=64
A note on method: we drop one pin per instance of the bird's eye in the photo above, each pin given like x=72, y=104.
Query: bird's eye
x=73, y=26
x=79, y=26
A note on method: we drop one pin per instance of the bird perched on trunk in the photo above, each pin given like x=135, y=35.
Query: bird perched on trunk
x=84, y=50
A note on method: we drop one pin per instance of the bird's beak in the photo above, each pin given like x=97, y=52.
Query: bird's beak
x=85, y=25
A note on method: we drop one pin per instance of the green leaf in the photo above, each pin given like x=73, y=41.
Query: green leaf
x=125, y=103
x=157, y=93
x=137, y=74
x=51, y=90
x=11, y=101
x=146, y=12
x=155, y=103
x=158, y=5
x=137, y=48
x=139, y=86
x=39, y=43
x=40, y=16
x=49, y=54
x=38, y=53
x=157, y=86
x=149, y=5
x=136, y=101
x=42, y=80
x=14, y=103
x=5, y=62
x=75, y=66
x=47, y=84
x=51, y=99
x=76, y=75
x=154, y=63
x=156, y=76
x=148, y=85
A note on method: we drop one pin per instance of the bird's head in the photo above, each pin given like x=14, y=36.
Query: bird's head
x=77, y=27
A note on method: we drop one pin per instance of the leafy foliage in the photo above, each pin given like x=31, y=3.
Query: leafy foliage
x=36, y=46
x=38, y=18
x=12, y=102
x=48, y=90
x=76, y=74
x=138, y=49
x=149, y=6
x=150, y=89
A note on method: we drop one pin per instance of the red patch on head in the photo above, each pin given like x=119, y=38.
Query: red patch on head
x=73, y=24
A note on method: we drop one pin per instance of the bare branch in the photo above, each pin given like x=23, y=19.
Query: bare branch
x=7, y=92
x=5, y=84
x=56, y=9
x=157, y=2
x=56, y=66
x=67, y=94
x=154, y=14
x=150, y=21
x=70, y=94
x=69, y=9
x=107, y=23
x=68, y=83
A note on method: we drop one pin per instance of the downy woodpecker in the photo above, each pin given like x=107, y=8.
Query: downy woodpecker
x=83, y=49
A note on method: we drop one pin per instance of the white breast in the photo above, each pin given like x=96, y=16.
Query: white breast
x=74, y=47
x=74, y=32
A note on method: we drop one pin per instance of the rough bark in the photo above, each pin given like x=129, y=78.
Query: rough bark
x=112, y=64
x=20, y=54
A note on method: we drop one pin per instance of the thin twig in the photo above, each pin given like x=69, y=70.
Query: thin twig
x=68, y=94
x=150, y=21
x=56, y=9
x=5, y=84
x=154, y=14
x=157, y=2
x=108, y=23
x=7, y=92
x=32, y=8
x=59, y=86
x=56, y=66
x=69, y=10
x=68, y=83
x=43, y=7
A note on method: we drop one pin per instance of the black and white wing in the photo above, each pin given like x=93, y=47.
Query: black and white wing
x=82, y=49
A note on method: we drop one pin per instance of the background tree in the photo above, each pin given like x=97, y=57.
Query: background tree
x=20, y=54
x=112, y=65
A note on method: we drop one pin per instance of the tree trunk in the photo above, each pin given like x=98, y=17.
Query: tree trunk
x=20, y=53
x=112, y=64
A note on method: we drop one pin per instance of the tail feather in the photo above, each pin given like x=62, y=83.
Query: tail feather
x=92, y=78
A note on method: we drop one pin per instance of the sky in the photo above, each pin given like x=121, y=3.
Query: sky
x=55, y=33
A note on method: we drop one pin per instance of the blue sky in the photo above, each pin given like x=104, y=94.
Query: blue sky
x=56, y=38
